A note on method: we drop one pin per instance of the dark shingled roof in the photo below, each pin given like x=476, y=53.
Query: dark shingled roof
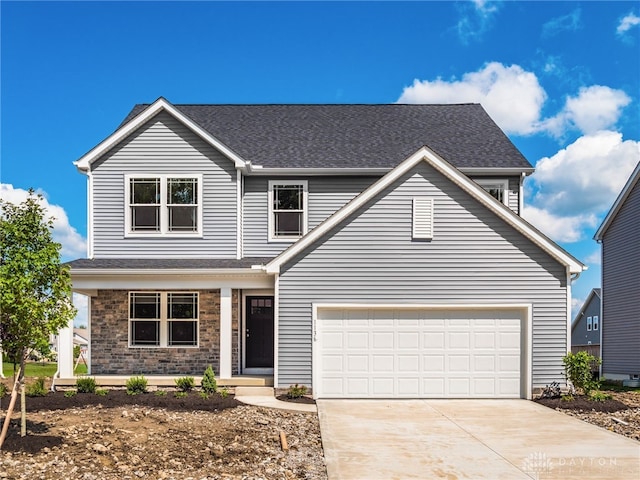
x=355, y=136
x=165, y=263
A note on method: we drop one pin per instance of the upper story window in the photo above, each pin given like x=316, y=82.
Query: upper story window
x=589, y=323
x=497, y=188
x=287, y=209
x=163, y=204
x=595, y=322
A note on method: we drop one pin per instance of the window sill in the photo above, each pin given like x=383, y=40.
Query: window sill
x=163, y=235
x=158, y=347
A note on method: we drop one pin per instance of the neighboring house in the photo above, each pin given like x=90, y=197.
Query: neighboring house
x=620, y=318
x=585, y=328
x=362, y=250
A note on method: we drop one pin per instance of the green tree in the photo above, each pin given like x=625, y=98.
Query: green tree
x=35, y=289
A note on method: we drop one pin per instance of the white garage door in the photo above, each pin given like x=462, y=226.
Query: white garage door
x=419, y=353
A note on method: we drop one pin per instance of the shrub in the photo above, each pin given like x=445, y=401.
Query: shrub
x=160, y=393
x=598, y=396
x=36, y=389
x=86, y=385
x=224, y=392
x=577, y=368
x=136, y=385
x=3, y=390
x=209, y=384
x=181, y=394
x=102, y=392
x=296, y=391
x=204, y=395
x=69, y=393
x=185, y=384
x=567, y=398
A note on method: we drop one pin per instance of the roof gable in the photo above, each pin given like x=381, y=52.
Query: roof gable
x=617, y=205
x=161, y=105
x=354, y=136
x=427, y=155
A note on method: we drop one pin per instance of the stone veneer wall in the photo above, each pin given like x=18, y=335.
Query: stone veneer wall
x=111, y=354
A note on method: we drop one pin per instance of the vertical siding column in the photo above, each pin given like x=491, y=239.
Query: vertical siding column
x=226, y=332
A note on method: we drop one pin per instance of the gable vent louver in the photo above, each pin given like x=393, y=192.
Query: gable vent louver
x=423, y=218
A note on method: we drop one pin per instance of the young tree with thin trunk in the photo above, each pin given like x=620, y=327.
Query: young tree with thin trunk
x=35, y=289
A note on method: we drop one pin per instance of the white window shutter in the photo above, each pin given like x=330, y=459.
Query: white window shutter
x=423, y=217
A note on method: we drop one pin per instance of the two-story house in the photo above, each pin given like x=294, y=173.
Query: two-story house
x=620, y=334
x=362, y=250
x=585, y=328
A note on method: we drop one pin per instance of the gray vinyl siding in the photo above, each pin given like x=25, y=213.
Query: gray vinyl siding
x=580, y=336
x=621, y=290
x=474, y=257
x=164, y=146
x=326, y=196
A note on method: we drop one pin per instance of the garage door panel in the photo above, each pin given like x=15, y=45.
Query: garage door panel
x=424, y=353
x=357, y=340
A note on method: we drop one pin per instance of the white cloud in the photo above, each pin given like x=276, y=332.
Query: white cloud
x=576, y=304
x=627, y=23
x=557, y=227
x=594, y=258
x=572, y=189
x=476, y=18
x=586, y=176
x=73, y=244
x=512, y=96
x=594, y=108
x=570, y=22
x=81, y=302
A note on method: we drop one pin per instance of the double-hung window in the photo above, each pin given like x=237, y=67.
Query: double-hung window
x=287, y=209
x=163, y=319
x=595, y=322
x=497, y=188
x=163, y=204
x=589, y=323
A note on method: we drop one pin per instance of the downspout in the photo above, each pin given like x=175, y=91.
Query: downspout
x=570, y=279
x=239, y=212
x=521, y=194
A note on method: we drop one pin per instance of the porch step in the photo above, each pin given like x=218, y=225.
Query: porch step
x=169, y=381
x=254, y=392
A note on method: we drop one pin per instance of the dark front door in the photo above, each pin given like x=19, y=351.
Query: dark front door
x=259, y=332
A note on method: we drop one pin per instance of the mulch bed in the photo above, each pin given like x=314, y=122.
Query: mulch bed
x=119, y=398
x=582, y=403
x=303, y=399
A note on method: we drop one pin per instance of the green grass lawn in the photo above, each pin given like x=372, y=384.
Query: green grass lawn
x=39, y=369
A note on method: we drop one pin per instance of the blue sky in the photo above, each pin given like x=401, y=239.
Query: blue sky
x=562, y=79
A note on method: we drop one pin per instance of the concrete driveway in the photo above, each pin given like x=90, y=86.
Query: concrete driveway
x=470, y=439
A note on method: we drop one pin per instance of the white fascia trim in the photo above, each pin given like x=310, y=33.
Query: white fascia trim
x=95, y=272
x=626, y=191
x=464, y=182
x=496, y=171
x=84, y=163
x=256, y=170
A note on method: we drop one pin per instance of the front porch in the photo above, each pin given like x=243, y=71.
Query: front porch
x=169, y=380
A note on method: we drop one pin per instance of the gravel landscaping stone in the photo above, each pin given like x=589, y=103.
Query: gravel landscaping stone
x=134, y=437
